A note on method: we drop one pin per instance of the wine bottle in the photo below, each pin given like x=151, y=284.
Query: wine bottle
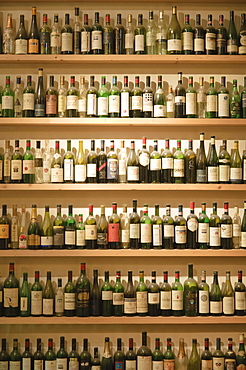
x=36, y=297
x=187, y=37
x=180, y=229
x=102, y=230
x=161, y=35
x=118, y=296
x=218, y=356
x=18, y=98
x=151, y=35
x=26, y=357
x=130, y=301
x=114, y=229
x=58, y=230
x=203, y=229
x=69, y=296
x=62, y=98
x=129, y=36
x=167, y=164
x=25, y=297
x=148, y=99
x=97, y=36
x=160, y=104
x=40, y=97
x=201, y=163
x=50, y=356
x=214, y=229
x=7, y=163
x=82, y=98
x=232, y=39
x=210, y=37
x=34, y=231
x=241, y=355
x=21, y=38
x=124, y=229
x=211, y=101
x=174, y=43
x=107, y=360
x=77, y=33
x=215, y=297
x=199, y=37
x=168, y=356
x=145, y=229
x=144, y=354
x=62, y=356
x=51, y=99
x=236, y=229
x=134, y=227
x=240, y=299
x=144, y=160
x=122, y=162
x=153, y=296
x=102, y=99
x=7, y=100
x=236, y=165
x=125, y=96
x=70, y=230
x=38, y=163
x=95, y=299
x=224, y=164
x=85, y=37
x=168, y=229
x=221, y=37
x=15, y=356
x=59, y=299
x=235, y=102
x=140, y=36
x=132, y=165
x=190, y=294
x=157, y=228
x=112, y=164
x=223, y=100
x=190, y=164
x=102, y=164
x=201, y=99
x=80, y=233
x=177, y=296
x=23, y=229
x=66, y=37
x=55, y=36
x=33, y=45
x=157, y=356
x=228, y=296
x=108, y=37
x=136, y=100
x=241, y=35
x=203, y=300
x=107, y=296
x=190, y=97
x=28, y=99
x=155, y=165
x=192, y=228
x=11, y=294
x=114, y=99
x=165, y=296
x=82, y=293
x=194, y=362
x=28, y=164
x=72, y=99
x=119, y=357
x=170, y=103
x=14, y=229
x=90, y=230
x=68, y=164
x=80, y=165
x=73, y=357
x=230, y=357
x=119, y=36
x=243, y=228
x=4, y=355
x=178, y=165
x=180, y=93
x=141, y=296
x=44, y=35
x=48, y=297
x=46, y=231
x=92, y=164
x=226, y=228
x=131, y=357
x=181, y=361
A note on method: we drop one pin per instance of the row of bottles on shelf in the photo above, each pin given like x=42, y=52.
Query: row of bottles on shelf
x=83, y=298
x=123, y=166
x=98, y=39
x=125, y=102
x=143, y=358
x=124, y=231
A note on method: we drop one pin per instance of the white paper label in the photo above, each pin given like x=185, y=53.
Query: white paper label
x=240, y=301
x=167, y=163
x=226, y=230
x=190, y=102
x=160, y=110
x=157, y=365
x=50, y=365
x=228, y=305
x=61, y=364
x=7, y=102
x=224, y=173
x=236, y=230
x=129, y=40
x=118, y=299
x=168, y=231
x=147, y=102
x=142, y=302
x=174, y=45
x=223, y=105
x=218, y=363
x=20, y=46
x=69, y=301
x=96, y=40
x=114, y=104
x=91, y=170
x=243, y=239
x=125, y=236
x=80, y=238
x=38, y=364
x=28, y=101
x=36, y=302
x=144, y=362
x=166, y=300
x=154, y=298
x=139, y=43
x=213, y=174
x=28, y=166
x=130, y=305
x=16, y=169
x=82, y=105
x=203, y=232
x=180, y=234
x=72, y=102
x=178, y=167
x=11, y=297
x=26, y=363
x=132, y=173
x=177, y=300
x=91, y=105
x=48, y=306
x=216, y=307
x=70, y=236
x=107, y=295
x=137, y=102
x=210, y=41
x=157, y=235
x=155, y=164
x=122, y=167
x=125, y=102
x=14, y=365
x=236, y=174
x=67, y=41
x=146, y=233
x=80, y=172
x=144, y=159
x=102, y=104
x=214, y=236
x=203, y=301
x=91, y=232
x=199, y=44
x=23, y=304
x=56, y=174
x=134, y=231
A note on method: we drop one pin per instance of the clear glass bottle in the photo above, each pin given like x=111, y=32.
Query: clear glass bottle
x=82, y=97
x=122, y=157
x=9, y=37
x=181, y=360
x=46, y=162
x=236, y=229
x=14, y=233
x=55, y=36
x=170, y=102
x=62, y=98
x=124, y=229
x=151, y=34
x=77, y=33
x=161, y=35
x=18, y=98
x=129, y=36
x=59, y=299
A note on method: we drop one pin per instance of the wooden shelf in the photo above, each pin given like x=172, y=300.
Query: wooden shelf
x=123, y=187
x=128, y=253
x=138, y=1
x=222, y=320
x=125, y=59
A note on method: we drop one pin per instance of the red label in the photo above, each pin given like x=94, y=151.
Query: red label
x=113, y=232
x=51, y=103
x=102, y=166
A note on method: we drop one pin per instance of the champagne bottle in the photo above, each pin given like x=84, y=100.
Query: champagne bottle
x=187, y=37
x=210, y=37
x=85, y=37
x=203, y=229
x=85, y=356
x=230, y=357
x=192, y=228
x=82, y=293
x=108, y=37
x=62, y=356
x=91, y=167
x=157, y=356
x=199, y=37
x=118, y=296
x=69, y=296
x=177, y=296
x=114, y=229
x=50, y=356
x=102, y=230
x=59, y=299
x=48, y=297
x=36, y=297
x=203, y=302
x=232, y=40
x=107, y=296
x=218, y=356
x=15, y=356
x=90, y=230
x=180, y=101
x=181, y=361
x=190, y=294
x=194, y=362
x=132, y=165
x=165, y=296
x=96, y=36
x=228, y=296
x=73, y=357
x=26, y=357
x=241, y=355
x=11, y=294
x=167, y=164
x=144, y=160
x=240, y=297
x=40, y=97
x=119, y=357
x=140, y=36
x=144, y=354
x=142, y=296
x=201, y=163
x=155, y=165
x=33, y=45
x=145, y=229
x=95, y=300
x=80, y=165
x=180, y=229
x=190, y=164
x=66, y=37
x=134, y=227
x=153, y=296
x=226, y=228
x=21, y=38
x=25, y=297
x=130, y=301
x=44, y=35
x=107, y=360
x=168, y=356
x=214, y=229
x=168, y=229
x=221, y=37
x=215, y=297
x=70, y=229
x=157, y=229
x=174, y=43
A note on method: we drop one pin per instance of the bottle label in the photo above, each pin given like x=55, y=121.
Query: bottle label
x=66, y=42
x=203, y=232
x=154, y=298
x=212, y=103
x=201, y=176
x=243, y=239
x=168, y=231
x=192, y=224
x=157, y=235
x=113, y=233
x=59, y=303
x=23, y=304
x=36, y=302
x=230, y=364
x=161, y=36
x=68, y=170
x=102, y=105
x=203, y=301
x=114, y=104
x=122, y=167
x=191, y=301
x=38, y=364
x=26, y=363
x=218, y=363
x=102, y=238
x=107, y=295
x=210, y=41
x=46, y=241
x=82, y=105
x=93, y=367
x=155, y=164
x=132, y=173
x=7, y=102
x=134, y=231
x=226, y=230
x=179, y=100
x=177, y=300
x=129, y=41
x=216, y=307
x=14, y=232
x=70, y=236
x=144, y=159
x=167, y=163
x=207, y=365
x=4, y=231
x=150, y=38
x=118, y=299
x=62, y=103
x=125, y=103
x=80, y=238
x=214, y=236
x=1, y=166
x=91, y=170
x=61, y=363
x=170, y=106
x=166, y=300
x=232, y=46
x=223, y=105
x=22, y=241
x=85, y=42
x=51, y=104
x=178, y=167
x=142, y=302
x=160, y=110
x=213, y=174
x=145, y=233
x=91, y=105
x=20, y=46
x=147, y=102
x=174, y=45
x=4, y=365
x=180, y=234
x=190, y=102
x=48, y=306
x=33, y=46
x=38, y=162
x=201, y=97
x=187, y=41
x=55, y=39
x=39, y=110
x=83, y=298
x=199, y=44
x=236, y=230
x=224, y=173
x=157, y=365
x=28, y=101
x=169, y=364
x=14, y=365
x=125, y=236
x=242, y=48
x=28, y=166
x=130, y=305
x=80, y=172
x=235, y=174
x=16, y=169
x=58, y=235
x=112, y=168
x=11, y=297
x=96, y=40
x=228, y=305
x=69, y=301
x=139, y=43
x=72, y=102
x=240, y=301
x=90, y=232
x=50, y=365
x=33, y=240
x=144, y=362
x=137, y=103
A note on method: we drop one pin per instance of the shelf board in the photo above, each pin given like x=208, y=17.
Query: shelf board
x=123, y=320
x=124, y=59
x=128, y=253
x=139, y=1
x=123, y=187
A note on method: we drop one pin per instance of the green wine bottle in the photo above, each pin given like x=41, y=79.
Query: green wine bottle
x=142, y=296
x=144, y=354
x=28, y=99
x=169, y=356
x=50, y=356
x=165, y=296
x=114, y=229
x=72, y=99
x=178, y=165
x=190, y=294
x=190, y=164
x=69, y=296
x=80, y=233
x=48, y=297
x=228, y=295
x=62, y=356
x=25, y=297
x=95, y=361
x=235, y=102
x=119, y=357
x=114, y=99
x=107, y=360
x=4, y=356
x=73, y=357
x=107, y=296
x=132, y=165
x=157, y=356
x=206, y=356
x=224, y=164
x=218, y=356
x=82, y=293
x=11, y=294
x=241, y=355
x=174, y=43
x=58, y=230
x=118, y=296
x=194, y=360
x=130, y=301
x=28, y=165
x=214, y=229
x=160, y=104
x=211, y=101
x=140, y=36
x=70, y=229
x=108, y=37
x=155, y=165
x=240, y=298
x=203, y=303
x=145, y=229
x=230, y=357
x=177, y=296
x=7, y=100
x=102, y=99
x=157, y=229
x=180, y=229
x=191, y=97
x=215, y=297
x=223, y=100
x=168, y=229
x=27, y=357
x=201, y=162
x=15, y=356
x=36, y=297
x=154, y=296
x=85, y=356
x=203, y=229
x=236, y=165
x=47, y=231
x=212, y=163
x=232, y=39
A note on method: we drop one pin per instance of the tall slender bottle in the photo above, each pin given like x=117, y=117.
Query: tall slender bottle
x=33, y=46
x=28, y=165
x=34, y=231
x=40, y=97
x=119, y=36
x=180, y=101
x=151, y=35
x=18, y=98
x=199, y=37
x=102, y=230
x=230, y=357
x=190, y=294
x=92, y=165
x=145, y=229
x=50, y=356
x=122, y=156
x=82, y=293
x=69, y=296
x=223, y=100
x=130, y=301
x=168, y=229
x=15, y=356
x=62, y=98
x=77, y=32
x=201, y=99
x=48, y=297
x=201, y=162
x=36, y=297
x=114, y=229
x=44, y=34
x=85, y=37
x=91, y=97
x=132, y=165
x=80, y=165
x=96, y=36
x=190, y=164
x=228, y=296
x=107, y=359
x=215, y=297
x=203, y=229
x=214, y=229
x=70, y=230
x=178, y=165
x=241, y=35
x=194, y=360
x=191, y=97
x=55, y=36
x=7, y=100
x=236, y=165
x=203, y=302
x=66, y=37
x=210, y=37
x=221, y=37
x=82, y=97
x=95, y=296
x=181, y=361
x=140, y=36
x=58, y=230
x=21, y=38
x=142, y=296
x=235, y=101
x=232, y=40
x=107, y=296
x=118, y=296
x=177, y=296
x=157, y=229
x=51, y=99
x=240, y=297
x=46, y=230
x=23, y=229
x=90, y=230
x=144, y=161
x=129, y=36
x=8, y=37
x=161, y=35
x=192, y=228
x=108, y=37
x=25, y=297
x=218, y=356
x=187, y=37
x=125, y=229
x=134, y=227
x=174, y=42
x=72, y=99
